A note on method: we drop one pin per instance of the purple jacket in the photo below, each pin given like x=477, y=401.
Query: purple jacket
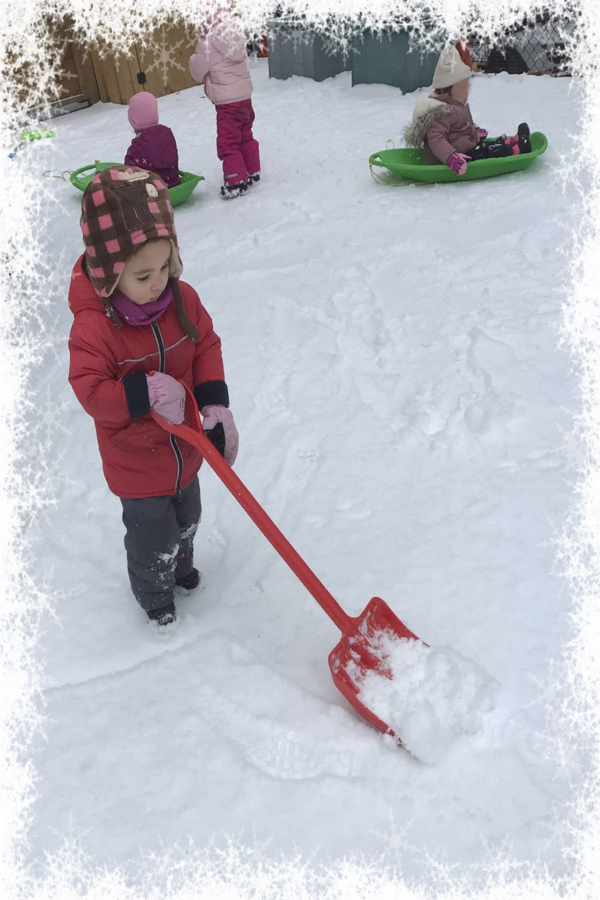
x=452, y=132
x=155, y=150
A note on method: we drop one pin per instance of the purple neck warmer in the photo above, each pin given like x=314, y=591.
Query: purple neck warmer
x=141, y=315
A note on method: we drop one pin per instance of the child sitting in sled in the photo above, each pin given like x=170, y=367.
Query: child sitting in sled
x=443, y=126
x=153, y=148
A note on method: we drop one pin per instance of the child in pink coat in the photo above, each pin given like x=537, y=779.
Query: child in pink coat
x=153, y=147
x=220, y=63
x=443, y=126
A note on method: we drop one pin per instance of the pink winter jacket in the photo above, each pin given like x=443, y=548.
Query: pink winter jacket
x=442, y=126
x=454, y=132
x=221, y=64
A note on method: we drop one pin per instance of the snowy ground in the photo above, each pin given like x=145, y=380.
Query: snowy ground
x=392, y=360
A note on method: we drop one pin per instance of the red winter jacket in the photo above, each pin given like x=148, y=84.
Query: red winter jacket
x=107, y=373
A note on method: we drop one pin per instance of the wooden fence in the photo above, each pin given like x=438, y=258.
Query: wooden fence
x=158, y=64
x=162, y=59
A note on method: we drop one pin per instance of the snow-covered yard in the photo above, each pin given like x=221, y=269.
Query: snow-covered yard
x=392, y=360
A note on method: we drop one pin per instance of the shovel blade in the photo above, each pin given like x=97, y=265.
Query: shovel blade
x=358, y=652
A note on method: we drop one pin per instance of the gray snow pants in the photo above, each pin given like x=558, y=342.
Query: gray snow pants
x=159, y=541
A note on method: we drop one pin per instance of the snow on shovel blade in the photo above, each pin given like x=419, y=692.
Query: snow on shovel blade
x=359, y=652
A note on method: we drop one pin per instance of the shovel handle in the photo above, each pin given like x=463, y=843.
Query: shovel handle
x=194, y=435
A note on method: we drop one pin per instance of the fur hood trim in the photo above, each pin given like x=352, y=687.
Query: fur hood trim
x=426, y=112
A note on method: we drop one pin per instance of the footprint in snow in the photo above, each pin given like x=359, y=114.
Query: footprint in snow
x=293, y=756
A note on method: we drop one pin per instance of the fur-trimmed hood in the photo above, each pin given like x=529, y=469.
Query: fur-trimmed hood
x=427, y=111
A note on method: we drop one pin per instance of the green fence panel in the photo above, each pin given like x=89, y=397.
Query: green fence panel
x=389, y=59
x=296, y=50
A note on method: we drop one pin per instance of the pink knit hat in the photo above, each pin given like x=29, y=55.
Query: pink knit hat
x=142, y=111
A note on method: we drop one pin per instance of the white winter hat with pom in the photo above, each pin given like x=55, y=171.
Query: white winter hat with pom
x=450, y=68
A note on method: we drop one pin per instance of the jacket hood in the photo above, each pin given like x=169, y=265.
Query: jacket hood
x=427, y=111
x=224, y=30
x=229, y=44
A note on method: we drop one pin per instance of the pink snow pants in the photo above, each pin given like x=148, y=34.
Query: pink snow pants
x=236, y=147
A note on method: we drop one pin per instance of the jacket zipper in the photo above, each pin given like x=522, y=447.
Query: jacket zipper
x=161, y=346
x=179, y=459
x=173, y=440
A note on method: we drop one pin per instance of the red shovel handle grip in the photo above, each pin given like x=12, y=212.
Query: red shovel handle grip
x=195, y=436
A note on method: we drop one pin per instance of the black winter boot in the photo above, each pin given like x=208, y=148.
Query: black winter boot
x=253, y=179
x=163, y=616
x=230, y=191
x=190, y=581
x=524, y=140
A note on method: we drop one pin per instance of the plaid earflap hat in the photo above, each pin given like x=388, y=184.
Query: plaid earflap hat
x=122, y=208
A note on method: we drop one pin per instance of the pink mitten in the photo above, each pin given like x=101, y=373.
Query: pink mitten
x=167, y=396
x=218, y=424
x=458, y=163
x=481, y=134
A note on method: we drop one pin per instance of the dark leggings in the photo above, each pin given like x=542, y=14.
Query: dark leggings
x=490, y=149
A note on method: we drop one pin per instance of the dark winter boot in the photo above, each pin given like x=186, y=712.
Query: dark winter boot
x=190, y=581
x=253, y=179
x=524, y=140
x=163, y=616
x=230, y=191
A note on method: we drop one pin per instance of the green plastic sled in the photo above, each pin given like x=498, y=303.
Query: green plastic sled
x=35, y=135
x=80, y=178
x=410, y=164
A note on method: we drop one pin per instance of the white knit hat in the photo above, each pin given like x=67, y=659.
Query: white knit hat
x=450, y=68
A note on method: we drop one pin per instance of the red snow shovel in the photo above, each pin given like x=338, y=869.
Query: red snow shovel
x=357, y=652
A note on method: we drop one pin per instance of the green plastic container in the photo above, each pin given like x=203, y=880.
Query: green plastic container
x=35, y=135
x=389, y=59
x=411, y=165
x=80, y=178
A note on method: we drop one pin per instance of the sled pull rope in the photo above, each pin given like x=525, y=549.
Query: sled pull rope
x=389, y=145
x=379, y=180
x=50, y=174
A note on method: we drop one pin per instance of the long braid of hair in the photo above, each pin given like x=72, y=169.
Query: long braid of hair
x=111, y=312
x=188, y=326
